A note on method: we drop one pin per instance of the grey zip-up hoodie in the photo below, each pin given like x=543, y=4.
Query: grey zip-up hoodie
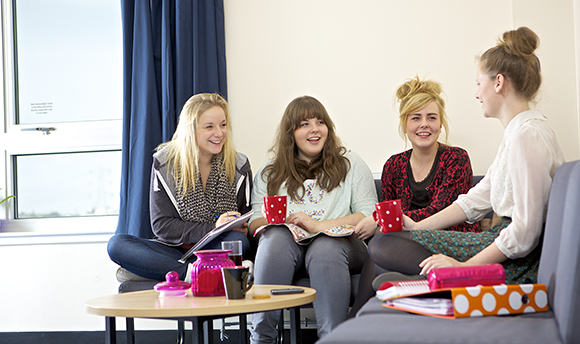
x=168, y=227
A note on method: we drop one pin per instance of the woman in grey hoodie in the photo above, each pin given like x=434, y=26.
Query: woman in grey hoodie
x=198, y=182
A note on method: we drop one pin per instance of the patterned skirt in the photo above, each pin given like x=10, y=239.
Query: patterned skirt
x=464, y=245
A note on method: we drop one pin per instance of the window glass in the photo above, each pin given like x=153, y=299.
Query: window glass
x=62, y=70
x=67, y=184
x=69, y=60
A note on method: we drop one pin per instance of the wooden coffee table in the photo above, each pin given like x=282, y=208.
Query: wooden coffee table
x=200, y=310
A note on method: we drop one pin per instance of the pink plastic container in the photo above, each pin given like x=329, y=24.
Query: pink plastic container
x=206, y=275
x=172, y=287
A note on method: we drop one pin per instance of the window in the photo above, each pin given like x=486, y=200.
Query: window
x=68, y=60
x=80, y=184
x=62, y=95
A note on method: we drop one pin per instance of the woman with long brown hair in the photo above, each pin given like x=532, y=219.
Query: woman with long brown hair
x=326, y=186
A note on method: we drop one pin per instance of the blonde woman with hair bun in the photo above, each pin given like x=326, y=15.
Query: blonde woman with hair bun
x=429, y=176
x=426, y=178
x=416, y=94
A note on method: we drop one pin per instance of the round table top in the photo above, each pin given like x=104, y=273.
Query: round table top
x=148, y=304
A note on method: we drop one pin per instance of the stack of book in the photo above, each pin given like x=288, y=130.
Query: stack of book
x=463, y=297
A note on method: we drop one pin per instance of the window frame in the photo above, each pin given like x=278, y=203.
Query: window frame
x=87, y=136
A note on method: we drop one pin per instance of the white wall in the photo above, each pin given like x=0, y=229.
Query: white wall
x=45, y=286
x=351, y=55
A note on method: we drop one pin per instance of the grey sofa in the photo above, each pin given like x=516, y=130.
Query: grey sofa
x=559, y=270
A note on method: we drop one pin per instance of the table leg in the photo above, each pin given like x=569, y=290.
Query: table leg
x=111, y=330
x=130, y=330
x=281, y=328
x=197, y=330
x=295, y=337
x=243, y=329
x=208, y=331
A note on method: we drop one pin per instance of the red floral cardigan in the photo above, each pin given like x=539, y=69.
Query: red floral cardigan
x=452, y=178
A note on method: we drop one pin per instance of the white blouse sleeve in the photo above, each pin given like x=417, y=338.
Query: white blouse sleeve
x=533, y=158
x=476, y=203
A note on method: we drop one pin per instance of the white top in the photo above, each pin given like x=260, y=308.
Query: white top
x=517, y=184
x=356, y=194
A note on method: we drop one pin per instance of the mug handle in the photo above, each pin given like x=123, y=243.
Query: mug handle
x=375, y=216
x=248, y=281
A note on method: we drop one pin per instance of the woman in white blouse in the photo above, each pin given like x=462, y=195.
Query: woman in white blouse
x=516, y=186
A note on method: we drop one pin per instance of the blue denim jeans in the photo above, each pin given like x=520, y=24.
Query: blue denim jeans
x=153, y=260
x=328, y=263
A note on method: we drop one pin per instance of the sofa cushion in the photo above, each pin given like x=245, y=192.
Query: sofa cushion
x=564, y=278
x=394, y=328
x=554, y=218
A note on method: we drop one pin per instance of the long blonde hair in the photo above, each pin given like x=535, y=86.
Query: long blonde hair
x=413, y=95
x=183, y=151
x=329, y=168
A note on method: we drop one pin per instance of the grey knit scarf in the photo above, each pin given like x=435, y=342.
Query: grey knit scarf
x=218, y=198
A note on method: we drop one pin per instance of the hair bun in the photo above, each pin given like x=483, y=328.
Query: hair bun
x=522, y=41
x=415, y=86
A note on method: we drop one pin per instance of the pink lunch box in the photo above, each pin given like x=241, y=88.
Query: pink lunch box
x=466, y=276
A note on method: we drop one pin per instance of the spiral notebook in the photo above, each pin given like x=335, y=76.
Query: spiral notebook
x=394, y=289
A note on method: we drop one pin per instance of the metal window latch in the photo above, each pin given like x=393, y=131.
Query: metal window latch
x=45, y=130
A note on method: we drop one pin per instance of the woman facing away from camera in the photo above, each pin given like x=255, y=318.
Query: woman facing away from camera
x=326, y=186
x=426, y=178
x=198, y=182
x=516, y=186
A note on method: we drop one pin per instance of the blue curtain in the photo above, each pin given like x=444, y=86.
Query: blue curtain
x=172, y=49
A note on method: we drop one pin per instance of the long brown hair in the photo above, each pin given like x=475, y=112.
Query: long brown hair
x=329, y=168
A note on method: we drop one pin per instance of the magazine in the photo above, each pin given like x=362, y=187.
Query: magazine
x=304, y=237
x=214, y=233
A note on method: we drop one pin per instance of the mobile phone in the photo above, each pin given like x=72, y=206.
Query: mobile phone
x=286, y=291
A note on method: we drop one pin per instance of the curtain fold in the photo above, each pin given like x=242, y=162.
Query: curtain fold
x=172, y=49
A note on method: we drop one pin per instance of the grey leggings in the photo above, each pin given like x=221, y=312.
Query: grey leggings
x=328, y=263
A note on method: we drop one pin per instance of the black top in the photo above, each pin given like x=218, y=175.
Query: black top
x=420, y=189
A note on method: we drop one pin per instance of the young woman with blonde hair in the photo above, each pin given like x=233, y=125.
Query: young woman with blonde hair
x=429, y=176
x=198, y=181
x=426, y=178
